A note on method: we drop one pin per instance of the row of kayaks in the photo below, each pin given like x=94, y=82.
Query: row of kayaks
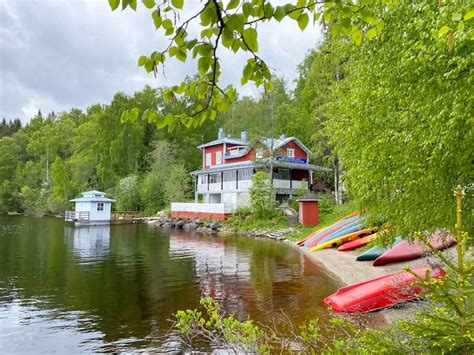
x=350, y=233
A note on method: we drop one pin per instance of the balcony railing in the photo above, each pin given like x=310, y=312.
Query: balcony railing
x=244, y=185
x=76, y=215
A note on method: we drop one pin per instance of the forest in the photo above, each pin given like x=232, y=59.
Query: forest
x=55, y=157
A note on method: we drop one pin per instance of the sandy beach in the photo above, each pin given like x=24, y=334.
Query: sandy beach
x=344, y=268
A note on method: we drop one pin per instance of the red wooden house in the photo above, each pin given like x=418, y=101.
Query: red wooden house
x=228, y=164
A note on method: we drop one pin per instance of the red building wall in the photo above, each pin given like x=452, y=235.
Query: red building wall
x=212, y=150
x=299, y=153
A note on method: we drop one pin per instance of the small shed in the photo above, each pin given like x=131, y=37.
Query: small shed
x=93, y=208
x=309, y=210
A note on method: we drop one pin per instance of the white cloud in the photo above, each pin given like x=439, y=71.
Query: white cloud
x=60, y=54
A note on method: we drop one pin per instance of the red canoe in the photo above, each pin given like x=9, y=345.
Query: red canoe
x=405, y=251
x=379, y=293
x=357, y=243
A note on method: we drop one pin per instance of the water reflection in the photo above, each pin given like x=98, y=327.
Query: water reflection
x=88, y=242
x=114, y=288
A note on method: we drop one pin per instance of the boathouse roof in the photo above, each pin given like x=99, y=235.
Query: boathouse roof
x=92, y=196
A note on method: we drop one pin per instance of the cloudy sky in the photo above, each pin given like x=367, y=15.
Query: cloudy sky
x=61, y=54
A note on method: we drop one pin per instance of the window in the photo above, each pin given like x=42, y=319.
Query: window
x=218, y=158
x=203, y=179
x=245, y=174
x=290, y=153
x=259, y=153
x=214, y=178
x=208, y=159
x=100, y=206
x=281, y=174
x=229, y=175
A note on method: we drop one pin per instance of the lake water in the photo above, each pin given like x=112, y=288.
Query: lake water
x=116, y=288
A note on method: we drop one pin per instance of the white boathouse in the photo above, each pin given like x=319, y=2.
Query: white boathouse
x=93, y=208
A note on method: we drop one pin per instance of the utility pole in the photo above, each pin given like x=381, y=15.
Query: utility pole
x=272, y=124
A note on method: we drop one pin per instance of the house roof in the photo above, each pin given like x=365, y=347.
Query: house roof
x=227, y=140
x=282, y=141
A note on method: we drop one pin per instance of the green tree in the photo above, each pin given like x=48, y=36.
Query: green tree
x=9, y=163
x=153, y=184
x=127, y=194
x=178, y=185
x=262, y=195
x=60, y=187
x=401, y=118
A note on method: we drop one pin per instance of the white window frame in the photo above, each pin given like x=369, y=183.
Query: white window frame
x=259, y=153
x=100, y=206
x=219, y=157
x=208, y=159
x=290, y=153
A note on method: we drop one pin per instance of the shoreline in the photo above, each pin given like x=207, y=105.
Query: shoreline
x=345, y=269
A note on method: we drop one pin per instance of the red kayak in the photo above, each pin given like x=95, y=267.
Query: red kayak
x=405, y=251
x=379, y=293
x=357, y=243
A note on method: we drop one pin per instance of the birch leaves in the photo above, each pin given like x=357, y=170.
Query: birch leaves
x=232, y=25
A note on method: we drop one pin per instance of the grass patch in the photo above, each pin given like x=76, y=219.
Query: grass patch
x=244, y=220
x=326, y=218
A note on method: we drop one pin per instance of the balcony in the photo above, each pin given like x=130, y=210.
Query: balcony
x=244, y=185
x=76, y=216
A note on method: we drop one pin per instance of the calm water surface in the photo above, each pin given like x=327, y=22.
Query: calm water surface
x=112, y=289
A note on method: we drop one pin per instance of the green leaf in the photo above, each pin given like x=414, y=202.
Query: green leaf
x=150, y=116
x=235, y=22
x=356, y=35
x=181, y=55
x=233, y=4
x=167, y=24
x=177, y=3
x=469, y=15
x=279, y=13
x=443, y=31
x=248, y=69
x=247, y=9
x=303, y=20
x=157, y=18
x=130, y=115
x=114, y=4
x=236, y=45
x=149, y=3
x=142, y=60
x=149, y=65
x=191, y=44
x=203, y=65
x=250, y=38
x=133, y=4
x=371, y=33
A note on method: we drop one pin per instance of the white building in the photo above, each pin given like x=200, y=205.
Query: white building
x=93, y=208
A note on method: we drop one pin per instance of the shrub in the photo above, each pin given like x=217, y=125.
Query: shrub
x=262, y=195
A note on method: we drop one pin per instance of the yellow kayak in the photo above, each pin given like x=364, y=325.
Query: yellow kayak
x=345, y=238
